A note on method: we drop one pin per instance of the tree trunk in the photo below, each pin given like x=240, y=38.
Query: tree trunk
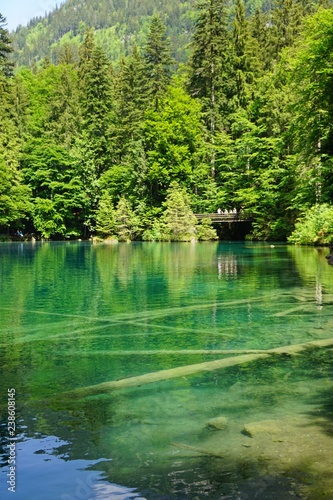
x=183, y=371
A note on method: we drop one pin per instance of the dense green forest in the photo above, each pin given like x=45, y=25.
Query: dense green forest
x=130, y=147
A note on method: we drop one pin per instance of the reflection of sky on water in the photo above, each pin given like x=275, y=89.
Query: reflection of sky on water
x=37, y=465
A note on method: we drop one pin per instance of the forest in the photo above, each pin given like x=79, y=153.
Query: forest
x=130, y=148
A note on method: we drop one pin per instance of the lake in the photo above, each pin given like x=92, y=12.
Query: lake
x=76, y=315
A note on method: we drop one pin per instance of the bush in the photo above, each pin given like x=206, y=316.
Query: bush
x=315, y=227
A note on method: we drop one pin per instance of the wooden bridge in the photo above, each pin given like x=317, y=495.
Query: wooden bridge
x=227, y=217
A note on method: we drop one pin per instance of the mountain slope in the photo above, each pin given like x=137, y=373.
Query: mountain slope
x=118, y=24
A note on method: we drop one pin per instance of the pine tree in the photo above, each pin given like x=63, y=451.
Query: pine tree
x=131, y=99
x=205, y=231
x=105, y=218
x=67, y=54
x=240, y=44
x=178, y=221
x=15, y=203
x=260, y=26
x=127, y=223
x=209, y=64
x=93, y=150
x=286, y=20
x=85, y=51
x=157, y=60
x=6, y=66
x=95, y=84
x=64, y=117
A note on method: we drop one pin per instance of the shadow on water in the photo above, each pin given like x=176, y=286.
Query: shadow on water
x=207, y=478
x=322, y=402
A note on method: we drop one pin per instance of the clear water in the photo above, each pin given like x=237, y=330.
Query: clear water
x=76, y=314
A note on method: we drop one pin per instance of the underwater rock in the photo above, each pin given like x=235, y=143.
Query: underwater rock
x=262, y=426
x=218, y=423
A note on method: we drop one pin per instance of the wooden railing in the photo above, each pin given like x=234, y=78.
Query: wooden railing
x=227, y=217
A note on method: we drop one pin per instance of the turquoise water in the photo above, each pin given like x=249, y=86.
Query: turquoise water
x=75, y=315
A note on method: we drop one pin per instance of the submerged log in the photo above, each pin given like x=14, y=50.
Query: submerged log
x=160, y=352
x=290, y=311
x=296, y=348
x=183, y=371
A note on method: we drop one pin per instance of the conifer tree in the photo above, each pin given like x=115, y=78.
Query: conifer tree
x=94, y=146
x=14, y=196
x=95, y=85
x=240, y=44
x=178, y=221
x=6, y=66
x=105, y=218
x=67, y=54
x=127, y=223
x=64, y=117
x=85, y=51
x=259, y=25
x=157, y=60
x=205, y=231
x=209, y=64
x=286, y=20
x=131, y=98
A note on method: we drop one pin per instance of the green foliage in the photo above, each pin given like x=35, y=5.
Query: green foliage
x=96, y=100
x=311, y=81
x=105, y=217
x=205, y=231
x=251, y=129
x=47, y=220
x=6, y=65
x=64, y=118
x=156, y=232
x=209, y=64
x=57, y=188
x=287, y=17
x=15, y=204
x=131, y=96
x=174, y=142
x=126, y=221
x=315, y=227
x=177, y=221
x=245, y=64
x=157, y=61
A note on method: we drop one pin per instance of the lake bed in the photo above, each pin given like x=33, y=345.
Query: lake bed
x=76, y=315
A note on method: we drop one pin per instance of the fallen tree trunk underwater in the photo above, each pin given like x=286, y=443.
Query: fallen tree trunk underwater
x=183, y=371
